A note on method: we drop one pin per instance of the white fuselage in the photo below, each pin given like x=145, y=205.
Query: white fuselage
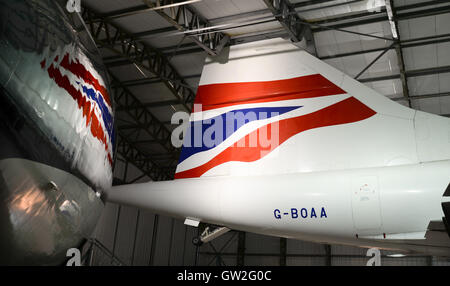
x=367, y=207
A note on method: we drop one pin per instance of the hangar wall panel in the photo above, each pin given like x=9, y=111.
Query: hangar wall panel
x=262, y=261
x=125, y=239
x=255, y=243
x=144, y=238
x=304, y=247
x=306, y=261
x=163, y=241
x=106, y=225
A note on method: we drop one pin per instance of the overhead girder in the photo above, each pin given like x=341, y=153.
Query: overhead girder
x=135, y=156
x=190, y=47
x=392, y=16
x=153, y=80
x=188, y=21
x=382, y=16
x=285, y=13
x=127, y=102
x=114, y=38
x=182, y=17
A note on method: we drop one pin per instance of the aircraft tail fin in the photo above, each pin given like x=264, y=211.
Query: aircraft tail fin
x=272, y=108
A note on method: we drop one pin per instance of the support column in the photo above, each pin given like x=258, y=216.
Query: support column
x=283, y=251
x=241, y=249
x=328, y=255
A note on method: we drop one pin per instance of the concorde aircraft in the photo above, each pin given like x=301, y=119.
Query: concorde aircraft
x=279, y=143
x=56, y=134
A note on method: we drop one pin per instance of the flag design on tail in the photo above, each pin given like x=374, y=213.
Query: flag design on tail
x=277, y=106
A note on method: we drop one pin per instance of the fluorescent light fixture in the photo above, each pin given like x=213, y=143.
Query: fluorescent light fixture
x=158, y=6
x=397, y=255
x=391, y=19
x=375, y=5
x=153, y=7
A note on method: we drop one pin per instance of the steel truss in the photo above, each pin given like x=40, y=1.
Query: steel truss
x=285, y=13
x=114, y=38
x=392, y=17
x=132, y=154
x=187, y=20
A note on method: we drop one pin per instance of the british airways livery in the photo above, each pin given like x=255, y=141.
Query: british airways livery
x=57, y=134
x=280, y=143
x=279, y=118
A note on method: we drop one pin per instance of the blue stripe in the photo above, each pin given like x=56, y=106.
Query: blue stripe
x=230, y=124
x=107, y=117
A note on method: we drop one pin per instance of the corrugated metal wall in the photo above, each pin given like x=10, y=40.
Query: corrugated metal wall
x=139, y=237
x=143, y=238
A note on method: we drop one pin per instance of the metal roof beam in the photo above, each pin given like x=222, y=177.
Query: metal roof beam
x=400, y=16
x=230, y=19
x=409, y=73
x=169, y=52
x=126, y=101
x=285, y=13
x=188, y=48
x=152, y=80
x=187, y=20
x=423, y=96
x=142, y=161
x=125, y=12
x=379, y=78
x=352, y=16
x=393, y=20
x=172, y=50
x=227, y=20
x=114, y=38
x=149, y=105
x=428, y=71
x=310, y=3
x=257, y=36
x=374, y=60
x=423, y=41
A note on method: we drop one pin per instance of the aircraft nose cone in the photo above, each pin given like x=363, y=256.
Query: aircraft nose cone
x=41, y=219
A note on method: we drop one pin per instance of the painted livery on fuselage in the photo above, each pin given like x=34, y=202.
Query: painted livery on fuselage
x=57, y=133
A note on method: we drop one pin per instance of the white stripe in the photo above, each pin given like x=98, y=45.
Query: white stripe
x=73, y=79
x=207, y=114
x=309, y=105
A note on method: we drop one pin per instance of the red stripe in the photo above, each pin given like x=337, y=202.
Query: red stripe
x=80, y=71
x=347, y=111
x=83, y=104
x=228, y=94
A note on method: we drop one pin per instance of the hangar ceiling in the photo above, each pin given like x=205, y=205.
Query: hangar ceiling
x=154, y=52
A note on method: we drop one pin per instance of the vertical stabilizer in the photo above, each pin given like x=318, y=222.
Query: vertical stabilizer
x=272, y=108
